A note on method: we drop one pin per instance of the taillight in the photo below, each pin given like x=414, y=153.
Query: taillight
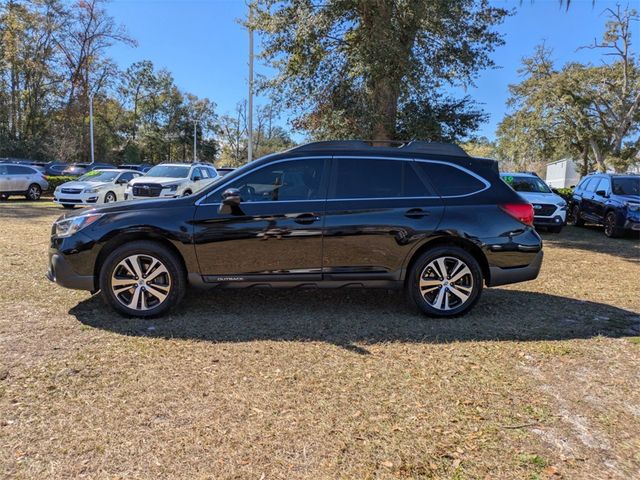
x=523, y=212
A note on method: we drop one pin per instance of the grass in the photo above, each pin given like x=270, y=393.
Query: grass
x=540, y=380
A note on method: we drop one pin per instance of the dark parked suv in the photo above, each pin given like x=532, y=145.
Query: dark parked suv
x=607, y=199
x=425, y=217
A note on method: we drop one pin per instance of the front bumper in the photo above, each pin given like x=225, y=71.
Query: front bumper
x=62, y=273
x=555, y=221
x=503, y=276
x=76, y=198
x=632, y=225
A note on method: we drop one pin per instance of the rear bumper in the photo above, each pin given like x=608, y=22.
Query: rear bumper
x=61, y=272
x=503, y=276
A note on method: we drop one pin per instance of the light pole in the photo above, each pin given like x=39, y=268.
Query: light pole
x=195, y=133
x=250, y=103
x=91, y=125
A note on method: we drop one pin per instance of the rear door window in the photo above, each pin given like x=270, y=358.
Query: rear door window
x=363, y=178
x=18, y=170
x=449, y=180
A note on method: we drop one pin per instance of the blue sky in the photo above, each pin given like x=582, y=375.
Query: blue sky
x=202, y=44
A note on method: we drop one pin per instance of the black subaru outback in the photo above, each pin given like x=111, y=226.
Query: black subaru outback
x=421, y=216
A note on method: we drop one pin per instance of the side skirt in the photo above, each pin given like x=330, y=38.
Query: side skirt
x=199, y=281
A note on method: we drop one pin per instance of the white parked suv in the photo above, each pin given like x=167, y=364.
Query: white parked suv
x=96, y=186
x=21, y=180
x=169, y=180
x=549, y=209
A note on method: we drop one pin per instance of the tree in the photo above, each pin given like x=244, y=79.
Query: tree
x=376, y=68
x=588, y=111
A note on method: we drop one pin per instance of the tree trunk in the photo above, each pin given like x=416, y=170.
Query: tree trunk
x=599, y=156
x=584, y=168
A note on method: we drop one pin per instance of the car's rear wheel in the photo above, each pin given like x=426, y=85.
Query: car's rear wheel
x=445, y=282
x=574, y=217
x=110, y=197
x=33, y=192
x=611, y=228
x=142, y=279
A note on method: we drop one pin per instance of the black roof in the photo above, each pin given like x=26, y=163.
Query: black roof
x=369, y=146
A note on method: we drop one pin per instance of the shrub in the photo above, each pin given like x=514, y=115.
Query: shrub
x=566, y=193
x=57, y=181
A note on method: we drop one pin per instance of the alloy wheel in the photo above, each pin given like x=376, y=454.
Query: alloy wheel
x=446, y=283
x=109, y=198
x=34, y=192
x=141, y=282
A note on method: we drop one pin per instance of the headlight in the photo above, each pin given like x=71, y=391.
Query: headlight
x=562, y=205
x=633, y=207
x=67, y=227
x=90, y=190
x=171, y=188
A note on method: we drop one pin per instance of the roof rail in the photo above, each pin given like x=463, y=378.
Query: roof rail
x=415, y=146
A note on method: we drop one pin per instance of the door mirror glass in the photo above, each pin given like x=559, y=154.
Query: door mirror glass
x=602, y=193
x=197, y=178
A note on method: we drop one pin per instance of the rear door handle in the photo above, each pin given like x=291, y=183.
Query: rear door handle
x=416, y=213
x=307, y=218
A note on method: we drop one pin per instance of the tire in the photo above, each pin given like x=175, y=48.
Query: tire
x=68, y=206
x=110, y=197
x=554, y=229
x=611, y=228
x=33, y=192
x=574, y=219
x=4, y=197
x=186, y=193
x=126, y=264
x=430, y=289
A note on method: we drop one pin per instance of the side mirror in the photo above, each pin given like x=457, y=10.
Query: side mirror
x=602, y=193
x=122, y=181
x=197, y=178
x=230, y=201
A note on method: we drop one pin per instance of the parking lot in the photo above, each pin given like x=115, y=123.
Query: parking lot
x=540, y=380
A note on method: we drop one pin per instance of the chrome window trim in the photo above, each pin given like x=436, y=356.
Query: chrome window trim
x=487, y=185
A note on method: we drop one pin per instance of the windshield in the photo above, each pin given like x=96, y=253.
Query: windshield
x=626, y=186
x=98, y=176
x=526, y=184
x=171, y=171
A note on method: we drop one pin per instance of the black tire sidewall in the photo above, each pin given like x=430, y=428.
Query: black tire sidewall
x=615, y=230
x=115, y=198
x=143, y=247
x=424, y=260
x=38, y=190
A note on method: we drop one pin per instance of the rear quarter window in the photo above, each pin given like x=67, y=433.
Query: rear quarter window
x=449, y=180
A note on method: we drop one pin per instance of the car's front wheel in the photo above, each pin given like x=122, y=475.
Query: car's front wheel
x=574, y=217
x=611, y=228
x=445, y=282
x=142, y=279
x=110, y=197
x=34, y=192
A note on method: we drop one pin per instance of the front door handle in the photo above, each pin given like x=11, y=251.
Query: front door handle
x=417, y=213
x=307, y=218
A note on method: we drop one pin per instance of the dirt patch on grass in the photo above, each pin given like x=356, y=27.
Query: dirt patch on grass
x=540, y=380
